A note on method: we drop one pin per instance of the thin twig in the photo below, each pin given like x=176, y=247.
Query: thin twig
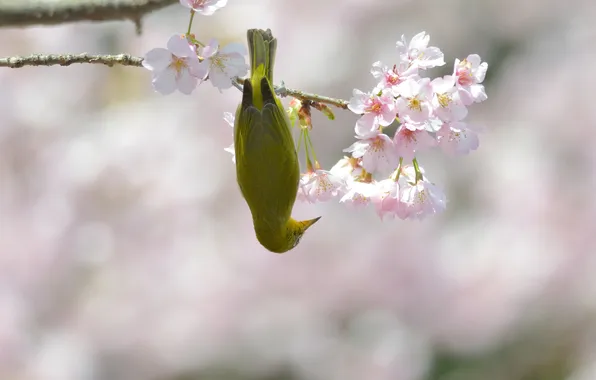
x=283, y=91
x=129, y=60
x=20, y=13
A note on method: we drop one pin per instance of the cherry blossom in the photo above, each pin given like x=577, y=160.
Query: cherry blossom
x=359, y=193
x=376, y=110
x=204, y=7
x=457, y=138
x=378, y=154
x=470, y=73
x=221, y=65
x=446, y=102
x=420, y=199
x=418, y=53
x=174, y=68
x=408, y=141
x=347, y=167
x=390, y=77
x=414, y=105
x=319, y=186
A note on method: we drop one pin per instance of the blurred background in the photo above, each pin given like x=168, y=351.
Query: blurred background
x=126, y=251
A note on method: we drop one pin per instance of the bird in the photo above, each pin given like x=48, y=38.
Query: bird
x=267, y=165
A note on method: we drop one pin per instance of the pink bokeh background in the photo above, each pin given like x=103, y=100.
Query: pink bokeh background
x=126, y=251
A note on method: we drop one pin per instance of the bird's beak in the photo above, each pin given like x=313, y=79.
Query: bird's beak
x=305, y=224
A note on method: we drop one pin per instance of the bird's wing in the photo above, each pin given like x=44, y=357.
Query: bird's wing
x=267, y=165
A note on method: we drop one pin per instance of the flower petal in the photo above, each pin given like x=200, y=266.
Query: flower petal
x=220, y=80
x=164, y=82
x=179, y=46
x=210, y=49
x=234, y=47
x=186, y=82
x=157, y=59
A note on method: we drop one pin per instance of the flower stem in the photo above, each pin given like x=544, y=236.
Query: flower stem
x=312, y=148
x=309, y=166
x=192, y=16
x=397, y=172
x=417, y=170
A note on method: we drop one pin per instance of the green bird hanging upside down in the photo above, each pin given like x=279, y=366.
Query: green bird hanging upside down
x=267, y=166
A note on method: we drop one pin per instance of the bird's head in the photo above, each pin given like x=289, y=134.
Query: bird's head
x=281, y=240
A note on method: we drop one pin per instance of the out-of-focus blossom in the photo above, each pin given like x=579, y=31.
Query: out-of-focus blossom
x=229, y=118
x=174, y=68
x=204, y=7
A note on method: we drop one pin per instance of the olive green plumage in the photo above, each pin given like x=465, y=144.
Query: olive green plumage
x=267, y=165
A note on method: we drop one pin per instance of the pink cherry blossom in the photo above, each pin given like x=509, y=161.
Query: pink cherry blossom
x=378, y=154
x=390, y=77
x=414, y=103
x=229, y=118
x=174, y=68
x=319, y=186
x=221, y=65
x=446, y=102
x=418, y=53
x=204, y=7
x=457, y=138
x=421, y=199
x=347, y=167
x=408, y=141
x=470, y=73
x=376, y=110
x=358, y=193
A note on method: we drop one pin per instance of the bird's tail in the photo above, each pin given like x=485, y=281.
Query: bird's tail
x=262, y=46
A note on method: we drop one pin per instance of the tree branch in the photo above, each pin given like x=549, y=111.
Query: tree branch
x=19, y=13
x=283, y=91
x=129, y=60
x=69, y=59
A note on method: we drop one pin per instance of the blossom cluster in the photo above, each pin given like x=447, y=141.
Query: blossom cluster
x=380, y=169
x=188, y=62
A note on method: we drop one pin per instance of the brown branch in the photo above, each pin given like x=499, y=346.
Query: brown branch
x=129, y=60
x=21, y=13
